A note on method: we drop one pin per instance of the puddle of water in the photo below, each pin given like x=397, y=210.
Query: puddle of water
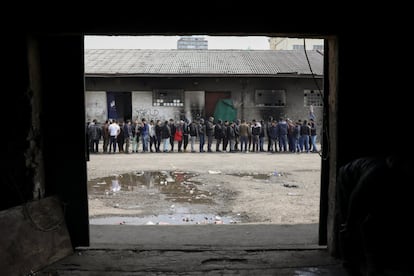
x=260, y=176
x=175, y=185
x=184, y=219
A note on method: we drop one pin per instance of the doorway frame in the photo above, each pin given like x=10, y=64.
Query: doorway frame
x=79, y=230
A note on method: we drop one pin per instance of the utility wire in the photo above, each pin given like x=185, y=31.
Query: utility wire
x=325, y=127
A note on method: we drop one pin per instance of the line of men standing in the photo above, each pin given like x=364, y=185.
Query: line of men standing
x=239, y=135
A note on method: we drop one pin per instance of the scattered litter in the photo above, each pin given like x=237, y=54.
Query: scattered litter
x=214, y=172
x=115, y=185
x=293, y=194
x=101, y=183
x=290, y=185
x=141, y=173
x=203, y=219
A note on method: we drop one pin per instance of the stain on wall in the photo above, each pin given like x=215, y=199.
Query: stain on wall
x=95, y=106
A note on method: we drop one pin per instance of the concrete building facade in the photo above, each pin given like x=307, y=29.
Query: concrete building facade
x=283, y=87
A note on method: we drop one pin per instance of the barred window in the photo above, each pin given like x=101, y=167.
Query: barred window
x=168, y=97
x=270, y=97
x=313, y=97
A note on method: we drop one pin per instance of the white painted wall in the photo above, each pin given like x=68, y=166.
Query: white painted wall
x=142, y=108
x=95, y=106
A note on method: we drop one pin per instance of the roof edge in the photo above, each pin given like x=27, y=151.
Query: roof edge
x=278, y=75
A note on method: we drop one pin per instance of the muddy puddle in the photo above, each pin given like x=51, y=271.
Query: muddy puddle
x=173, y=197
x=157, y=197
x=261, y=176
x=176, y=186
x=273, y=177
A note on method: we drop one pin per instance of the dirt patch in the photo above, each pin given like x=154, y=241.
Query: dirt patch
x=186, y=188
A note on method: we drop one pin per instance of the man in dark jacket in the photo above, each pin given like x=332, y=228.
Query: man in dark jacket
x=95, y=133
x=210, y=133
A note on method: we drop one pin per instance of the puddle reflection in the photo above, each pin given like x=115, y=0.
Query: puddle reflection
x=175, y=185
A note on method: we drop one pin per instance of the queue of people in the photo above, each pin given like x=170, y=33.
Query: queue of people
x=283, y=135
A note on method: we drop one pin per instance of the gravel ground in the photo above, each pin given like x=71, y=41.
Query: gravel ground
x=177, y=188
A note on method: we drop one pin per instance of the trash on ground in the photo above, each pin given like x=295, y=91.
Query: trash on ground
x=290, y=185
x=214, y=172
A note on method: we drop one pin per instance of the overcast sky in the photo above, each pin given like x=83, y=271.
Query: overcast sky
x=170, y=42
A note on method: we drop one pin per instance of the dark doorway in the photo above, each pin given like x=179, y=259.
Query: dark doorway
x=211, y=100
x=119, y=105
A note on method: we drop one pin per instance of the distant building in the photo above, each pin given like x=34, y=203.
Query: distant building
x=285, y=43
x=192, y=42
x=178, y=84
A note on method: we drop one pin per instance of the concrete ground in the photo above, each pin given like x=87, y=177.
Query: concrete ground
x=241, y=249
x=200, y=250
x=186, y=237
x=213, y=249
x=280, y=188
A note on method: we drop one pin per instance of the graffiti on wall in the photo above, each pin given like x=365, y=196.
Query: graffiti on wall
x=157, y=114
x=147, y=113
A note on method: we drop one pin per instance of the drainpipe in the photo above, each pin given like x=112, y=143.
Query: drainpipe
x=244, y=83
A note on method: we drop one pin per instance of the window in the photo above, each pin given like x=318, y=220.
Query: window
x=168, y=97
x=270, y=97
x=313, y=97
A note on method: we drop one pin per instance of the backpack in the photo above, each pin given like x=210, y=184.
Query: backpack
x=178, y=136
